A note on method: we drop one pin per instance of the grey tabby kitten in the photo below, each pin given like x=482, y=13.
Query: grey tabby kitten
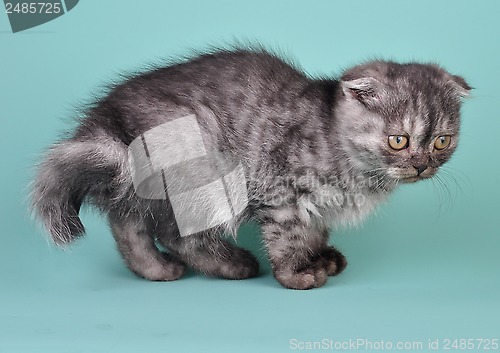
x=315, y=153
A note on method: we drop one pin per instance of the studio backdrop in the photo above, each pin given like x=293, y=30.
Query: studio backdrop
x=424, y=270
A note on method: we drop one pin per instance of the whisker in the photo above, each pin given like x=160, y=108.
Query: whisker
x=458, y=180
x=438, y=191
x=458, y=187
x=447, y=198
x=459, y=174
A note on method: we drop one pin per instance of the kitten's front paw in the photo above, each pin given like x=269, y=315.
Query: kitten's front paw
x=333, y=261
x=311, y=277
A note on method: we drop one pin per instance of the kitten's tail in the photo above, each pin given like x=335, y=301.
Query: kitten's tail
x=71, y=171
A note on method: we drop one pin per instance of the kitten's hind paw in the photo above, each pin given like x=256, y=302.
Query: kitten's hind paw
x=333, y=261
x=312, y=277
x=243, y=265
x=168, y=268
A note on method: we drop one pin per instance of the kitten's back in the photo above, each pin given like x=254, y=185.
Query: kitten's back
x=240, y=83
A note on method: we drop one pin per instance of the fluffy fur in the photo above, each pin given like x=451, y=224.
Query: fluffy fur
x=314, y=152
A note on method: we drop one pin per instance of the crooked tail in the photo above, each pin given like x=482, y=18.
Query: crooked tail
x=71, y=171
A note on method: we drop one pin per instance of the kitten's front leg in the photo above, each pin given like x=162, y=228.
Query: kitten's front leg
x=299, y=254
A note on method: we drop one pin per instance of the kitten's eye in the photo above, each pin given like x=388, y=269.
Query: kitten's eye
x=442, y=142
x=398, y=142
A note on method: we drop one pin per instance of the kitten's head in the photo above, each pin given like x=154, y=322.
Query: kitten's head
x=401, y=120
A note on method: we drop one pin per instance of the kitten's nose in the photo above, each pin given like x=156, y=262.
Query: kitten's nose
x=420, y=168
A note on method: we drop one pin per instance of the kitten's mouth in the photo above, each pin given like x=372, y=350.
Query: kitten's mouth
x=410, y=179
x=414, y=178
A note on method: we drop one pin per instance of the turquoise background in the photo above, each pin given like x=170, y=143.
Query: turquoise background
x=425, y=267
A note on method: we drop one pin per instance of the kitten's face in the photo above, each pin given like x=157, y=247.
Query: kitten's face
x=400, y=120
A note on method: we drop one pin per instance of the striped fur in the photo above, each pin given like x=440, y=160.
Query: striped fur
x=314, y=154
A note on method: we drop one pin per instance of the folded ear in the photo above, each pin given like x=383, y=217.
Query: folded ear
x=366, y=90
x=461, y=86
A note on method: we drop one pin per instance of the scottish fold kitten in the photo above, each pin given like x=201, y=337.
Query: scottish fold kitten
x=180, y=155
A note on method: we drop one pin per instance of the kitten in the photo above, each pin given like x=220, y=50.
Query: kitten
x=244, y=128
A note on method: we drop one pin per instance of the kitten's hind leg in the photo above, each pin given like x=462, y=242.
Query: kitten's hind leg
x=208, y=253
x=140, y=253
